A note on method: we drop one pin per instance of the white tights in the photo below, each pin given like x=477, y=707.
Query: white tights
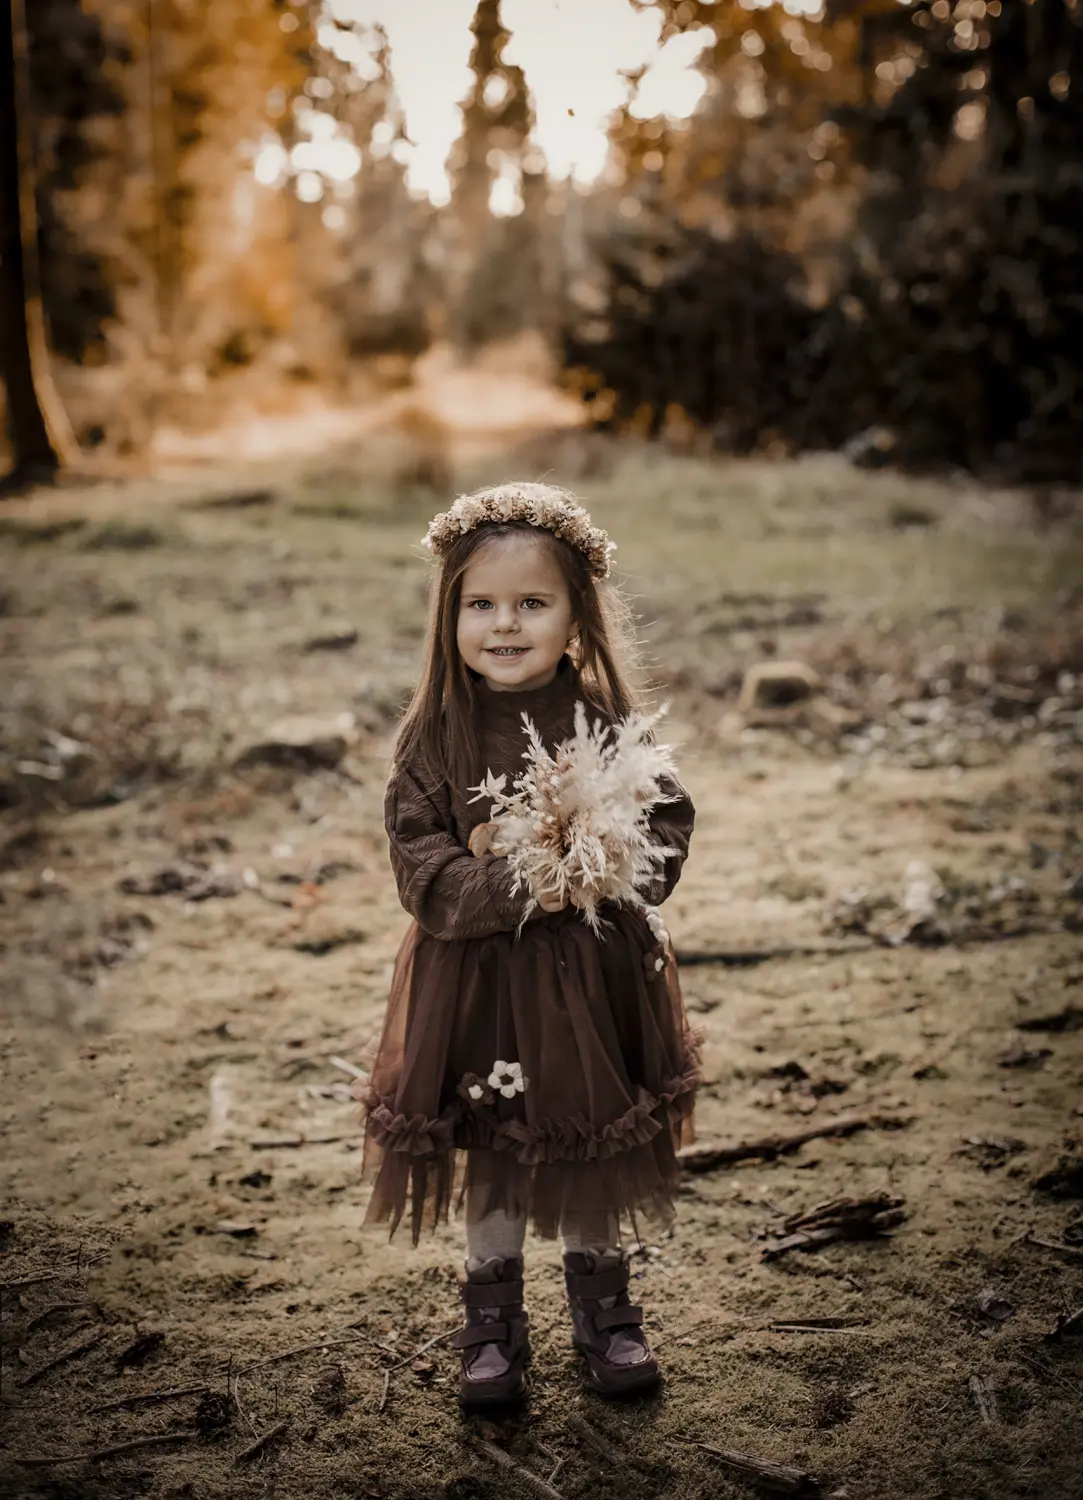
x=503, y=1234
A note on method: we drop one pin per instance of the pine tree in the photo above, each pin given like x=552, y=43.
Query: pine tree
x=498, y=118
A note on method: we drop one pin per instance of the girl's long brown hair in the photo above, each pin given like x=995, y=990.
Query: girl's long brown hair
x=437, y=736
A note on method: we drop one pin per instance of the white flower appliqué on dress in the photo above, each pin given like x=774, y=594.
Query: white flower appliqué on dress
x=507, y=1078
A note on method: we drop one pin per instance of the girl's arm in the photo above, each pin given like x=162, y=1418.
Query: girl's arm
x=451, y=893
x=671, y=825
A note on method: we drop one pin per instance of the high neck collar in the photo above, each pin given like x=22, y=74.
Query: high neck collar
x=510, y=705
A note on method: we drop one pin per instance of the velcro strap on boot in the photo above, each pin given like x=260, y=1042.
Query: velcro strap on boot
x=600, y=1284
x=492, y=1293
x=480, y=1333
x=618, y=1317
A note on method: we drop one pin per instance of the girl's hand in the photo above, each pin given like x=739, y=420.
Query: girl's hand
x=552, y=900
x=480, y=839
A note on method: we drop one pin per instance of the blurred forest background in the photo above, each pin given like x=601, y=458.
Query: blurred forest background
x=866, y=236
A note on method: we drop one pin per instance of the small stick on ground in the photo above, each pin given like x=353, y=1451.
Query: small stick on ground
x=748, y=958
x=295, y=1142
x=505, y=1461
x=347, y=1067
x=274, y=1359
x=425, y=1347
x=1033, y=1239
x=110, y=1452
x=383, y=1394
x=255, y=1449
x=248, y=1422
x=1050, y=1376
x=20, y=1281
x=778, y=1479
x=56, y=1307
x=147, y=1397
x=868, y=1218
x=593, y=1439
x=683, y=1333
x=707, y=1158
x=1069, y=1326
x=983, y=1397
x=821, y=1325
x=75, y=1352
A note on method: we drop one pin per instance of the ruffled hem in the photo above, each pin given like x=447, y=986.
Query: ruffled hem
x=414, y=1135
x=572, y=1138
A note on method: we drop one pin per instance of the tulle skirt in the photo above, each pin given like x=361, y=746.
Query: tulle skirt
x=550, y=1074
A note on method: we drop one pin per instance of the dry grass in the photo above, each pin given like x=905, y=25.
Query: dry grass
x=171, y=1034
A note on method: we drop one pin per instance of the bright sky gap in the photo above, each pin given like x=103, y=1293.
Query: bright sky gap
x=573, y=53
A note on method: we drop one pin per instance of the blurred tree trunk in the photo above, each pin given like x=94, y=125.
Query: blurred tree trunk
x=41, y=437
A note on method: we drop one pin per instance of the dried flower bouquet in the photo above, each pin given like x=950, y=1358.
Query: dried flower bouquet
x=575, y=825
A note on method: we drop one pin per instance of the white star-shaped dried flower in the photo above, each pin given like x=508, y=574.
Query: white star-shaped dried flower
x=507, y=1078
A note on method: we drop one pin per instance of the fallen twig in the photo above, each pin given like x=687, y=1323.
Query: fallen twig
x=21, y=1281
x=147, y=1397
x=779, y=1479
x=1033, y=1239
x=683, y=1333
x=248, y=1422
x=601, y=1445
x=384, y=1393
x=347, y=1067
x=56, y=1307
x=747, y=958
x=109, y=1452
x=820, y=1325
x=505, y=1461
x=255, y=1449
x=293, y=1142
x=74, y=1352
x=1050, y=1376
x=437, y=1338
x=274, y=1359
x=984, y=1397
x=838, y=1219
x=1069, y=1326
x=707, y=1158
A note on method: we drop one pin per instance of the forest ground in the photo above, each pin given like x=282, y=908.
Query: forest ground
x=881, y=918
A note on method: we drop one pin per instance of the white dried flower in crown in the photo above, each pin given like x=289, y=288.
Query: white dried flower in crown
x=542, y=505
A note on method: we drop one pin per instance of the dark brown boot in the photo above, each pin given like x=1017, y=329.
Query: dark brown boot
x=494, y=1344
x=607, y=1328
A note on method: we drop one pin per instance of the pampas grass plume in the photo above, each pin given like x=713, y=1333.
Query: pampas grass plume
x=576, y=823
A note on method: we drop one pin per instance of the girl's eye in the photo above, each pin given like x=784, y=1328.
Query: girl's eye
x=487, y=603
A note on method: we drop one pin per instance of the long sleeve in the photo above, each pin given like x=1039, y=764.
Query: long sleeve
x=671, y=826
x=451, y=893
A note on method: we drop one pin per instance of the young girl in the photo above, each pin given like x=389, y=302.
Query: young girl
x=554, y=1064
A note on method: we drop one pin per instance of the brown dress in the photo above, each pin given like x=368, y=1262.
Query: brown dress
x=598, y=1031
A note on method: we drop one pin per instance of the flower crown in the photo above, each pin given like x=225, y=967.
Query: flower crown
x=541, y=504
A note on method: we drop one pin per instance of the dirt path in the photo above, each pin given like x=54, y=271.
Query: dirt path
x=908, y=850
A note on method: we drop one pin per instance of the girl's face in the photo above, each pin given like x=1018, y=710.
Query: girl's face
x=515, y=614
